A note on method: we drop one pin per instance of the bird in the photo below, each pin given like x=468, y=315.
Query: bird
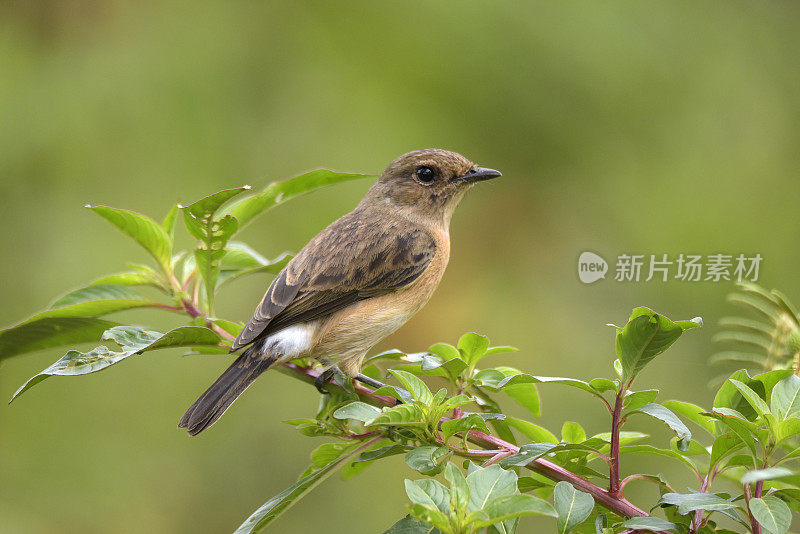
x=354, y=283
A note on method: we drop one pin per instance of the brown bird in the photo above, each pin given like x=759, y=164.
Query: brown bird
x=356, y=282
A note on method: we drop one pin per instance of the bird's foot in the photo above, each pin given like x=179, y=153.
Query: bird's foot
x=323, y=377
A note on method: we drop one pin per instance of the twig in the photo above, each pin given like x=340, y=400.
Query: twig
x=616, y=503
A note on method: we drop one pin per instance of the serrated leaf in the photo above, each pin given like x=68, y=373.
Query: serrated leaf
x=142, y=229
x=572, y=506
x=277, y=192
x=50, y=332
x=772, y=514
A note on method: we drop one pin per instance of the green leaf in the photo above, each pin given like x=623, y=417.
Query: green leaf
x=130, y=278
x=572, y=432
x=637, y=399
x=360, y=411
x=787, y=429
x=693, y=413
x=603, y=384
x=730, y=397
x=382, y=452
x=786, y=398
x=277, y=505
x=419, y=391
x=50, y=332
x=724, y=445
x=511, y=506
x=402, y=415
x=532, y=431
x=94, y=308
x=431, y=516
x=142, y=229
x=739, y=426
x=429, y=492
x=277, y=192
x=132, y=340
x=526, y=396
x=653, y=524
x=772, y=514
x=572, y=506
x=752, y=398
x=770, y=473
x=473, y=347
x=489, y=483
x=664, y=415
x=97, y=292
x=168, y=224
x=459, y=490
x=407, y=525
x=428, y=459
x=463, y=424
x=327, y=452
x=240, y=260
x=689, y=502
x=646, y=335
x=212, y=232
x=527, y=453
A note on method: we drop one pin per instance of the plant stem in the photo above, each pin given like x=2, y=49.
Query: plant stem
x=614, y=487
x=754, y=525
x=697, y=520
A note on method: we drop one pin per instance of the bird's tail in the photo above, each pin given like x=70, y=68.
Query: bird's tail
x=212, y=404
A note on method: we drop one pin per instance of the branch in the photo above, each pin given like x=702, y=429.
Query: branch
x=615, y=503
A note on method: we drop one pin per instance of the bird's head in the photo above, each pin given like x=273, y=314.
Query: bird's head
x=428, y=184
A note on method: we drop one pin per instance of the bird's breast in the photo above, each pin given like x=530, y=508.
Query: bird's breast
x=358, y=327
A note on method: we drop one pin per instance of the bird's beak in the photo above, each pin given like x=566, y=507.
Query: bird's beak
x=478, y=174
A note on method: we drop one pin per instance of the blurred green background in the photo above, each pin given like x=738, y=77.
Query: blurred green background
x=622, y=127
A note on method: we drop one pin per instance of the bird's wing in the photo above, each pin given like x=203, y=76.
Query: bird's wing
x=347, y=262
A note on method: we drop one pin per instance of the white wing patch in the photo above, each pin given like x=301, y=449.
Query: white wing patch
x=290, y=342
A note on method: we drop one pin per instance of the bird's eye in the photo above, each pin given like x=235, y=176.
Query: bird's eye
x=425, y=174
